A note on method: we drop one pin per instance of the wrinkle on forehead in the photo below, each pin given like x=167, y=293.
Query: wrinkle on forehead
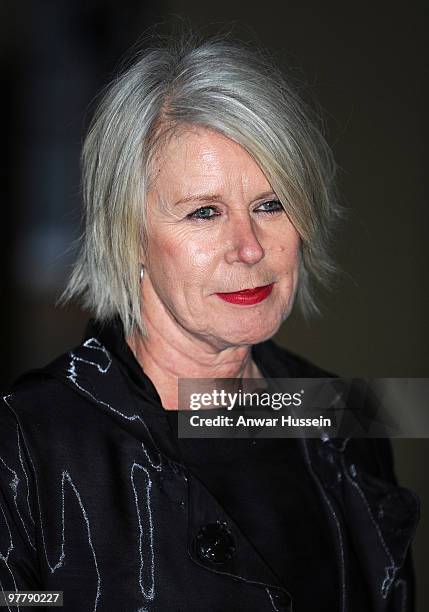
x=196, y=160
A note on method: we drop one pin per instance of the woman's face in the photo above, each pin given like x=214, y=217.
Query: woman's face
x=211, y=232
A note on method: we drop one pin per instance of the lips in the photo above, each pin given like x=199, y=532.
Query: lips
x=247, y=296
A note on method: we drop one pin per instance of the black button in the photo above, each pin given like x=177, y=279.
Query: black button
x=215, y=543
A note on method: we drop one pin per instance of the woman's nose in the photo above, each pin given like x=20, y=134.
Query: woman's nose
x=243, y=243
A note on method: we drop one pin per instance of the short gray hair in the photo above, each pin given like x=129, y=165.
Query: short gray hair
x=220, y=85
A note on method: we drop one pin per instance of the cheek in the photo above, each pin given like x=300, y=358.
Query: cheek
x=182, y=261
x=295, y=252
x=200, y=258
x=289, y=250
x=194, y=256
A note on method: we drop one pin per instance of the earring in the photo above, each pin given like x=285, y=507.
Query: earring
x=141, y=272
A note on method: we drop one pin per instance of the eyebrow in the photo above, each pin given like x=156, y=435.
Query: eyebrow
x=213, y=197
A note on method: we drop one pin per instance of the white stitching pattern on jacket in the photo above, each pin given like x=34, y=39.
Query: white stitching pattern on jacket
x=15, y=482
x=5, y=558
x=150, y=594
x=94, y=344
x=392, y=569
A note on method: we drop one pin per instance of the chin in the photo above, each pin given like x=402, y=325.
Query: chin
x=252, y=335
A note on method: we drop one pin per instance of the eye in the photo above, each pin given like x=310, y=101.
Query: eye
x=203, y=213
x=271, y=207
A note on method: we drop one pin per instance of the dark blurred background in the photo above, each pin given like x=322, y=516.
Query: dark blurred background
x=365, y=64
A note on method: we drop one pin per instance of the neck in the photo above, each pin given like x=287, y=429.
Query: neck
x=166, y=354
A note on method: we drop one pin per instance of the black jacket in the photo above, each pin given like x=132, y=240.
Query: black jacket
x=94, y=501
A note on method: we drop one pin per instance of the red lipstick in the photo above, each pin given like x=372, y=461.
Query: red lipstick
x=247, y=296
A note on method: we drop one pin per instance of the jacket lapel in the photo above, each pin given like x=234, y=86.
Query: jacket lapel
x=381, y=516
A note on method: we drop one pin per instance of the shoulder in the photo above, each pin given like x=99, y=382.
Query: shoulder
x=43, y=394
x=33, y=391
x=376, y=454
x=71, y=393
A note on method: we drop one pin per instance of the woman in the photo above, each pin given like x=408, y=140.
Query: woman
x=209, y=197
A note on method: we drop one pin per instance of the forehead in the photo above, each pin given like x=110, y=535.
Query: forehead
x=199, y=156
